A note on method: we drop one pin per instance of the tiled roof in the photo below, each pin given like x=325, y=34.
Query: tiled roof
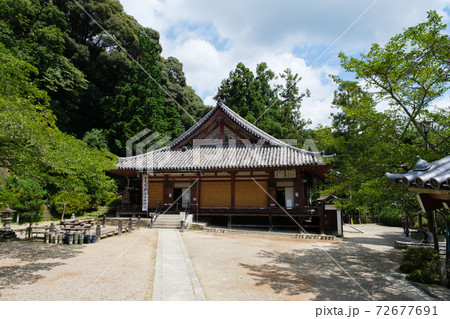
x=237, y=119
x=169, y=158
x=220, y=157
x=425, y=175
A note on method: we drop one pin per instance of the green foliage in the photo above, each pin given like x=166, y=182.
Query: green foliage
x=274, y=109
x=96, y=138
x=410, y=73
x=421, y=263
x=391, y=216
x=25, y=196
x=139, y=103
x=113, y=204
x=69, y=203
x=97, y=74
x=65, y=76
x=34, y=149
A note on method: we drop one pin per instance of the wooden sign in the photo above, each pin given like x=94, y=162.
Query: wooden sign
x=144, y=193
x=286, y=173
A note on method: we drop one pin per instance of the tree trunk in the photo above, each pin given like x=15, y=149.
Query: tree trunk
x=64, y=210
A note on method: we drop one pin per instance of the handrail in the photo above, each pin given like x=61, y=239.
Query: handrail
x=188, y=209
x=155, y=215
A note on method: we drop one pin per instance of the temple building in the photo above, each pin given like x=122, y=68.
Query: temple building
x=231, y=172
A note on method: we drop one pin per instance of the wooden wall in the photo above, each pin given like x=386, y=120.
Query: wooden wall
x=215, y=194
x=249, y=194
x=155, y=194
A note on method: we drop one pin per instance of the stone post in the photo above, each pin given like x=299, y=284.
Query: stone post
x=6, y=217
x=98, y=232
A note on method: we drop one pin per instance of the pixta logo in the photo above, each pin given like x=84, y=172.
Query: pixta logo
x=141, y=143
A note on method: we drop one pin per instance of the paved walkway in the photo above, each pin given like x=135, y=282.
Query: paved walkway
x=175, y=278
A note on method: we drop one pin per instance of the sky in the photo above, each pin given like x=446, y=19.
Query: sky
x=211, y=37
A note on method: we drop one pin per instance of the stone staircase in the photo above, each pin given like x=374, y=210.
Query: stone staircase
x=167, y=221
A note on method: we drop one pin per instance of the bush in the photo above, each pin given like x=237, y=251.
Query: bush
x=75, y=203
x=25, y=196
x=113, y=205
x=421, y=263
x=390, y=216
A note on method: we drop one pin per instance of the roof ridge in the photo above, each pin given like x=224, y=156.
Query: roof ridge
x=239, y=120
x=269, y=138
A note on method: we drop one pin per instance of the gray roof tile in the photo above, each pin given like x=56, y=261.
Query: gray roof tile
x=218, y=157
x=169, y=158
x=425, y=175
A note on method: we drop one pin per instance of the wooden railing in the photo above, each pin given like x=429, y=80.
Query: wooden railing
x=154, y=216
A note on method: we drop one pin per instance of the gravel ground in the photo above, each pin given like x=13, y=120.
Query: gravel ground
x=234, y=266
x=116, y=268
x=230, y=266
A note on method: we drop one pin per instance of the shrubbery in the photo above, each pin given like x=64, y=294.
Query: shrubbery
x=421, y=264
x=390, y=216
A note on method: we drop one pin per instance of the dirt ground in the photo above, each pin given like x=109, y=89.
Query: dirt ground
x=253, y=267
x=116, y=268
x=230, y=266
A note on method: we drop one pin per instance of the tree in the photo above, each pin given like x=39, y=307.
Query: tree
x=179, y=95
x=291, y=100
x=239, y=92
x=139, y=103
x=25, y=196
x=33, y=148
x=361, y=138
x=273, y=108
x=410, y=72
x=96, y=138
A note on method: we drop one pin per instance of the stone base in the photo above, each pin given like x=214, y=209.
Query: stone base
x=7, y=235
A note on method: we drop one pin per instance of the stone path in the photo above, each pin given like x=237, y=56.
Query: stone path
x=175, y=278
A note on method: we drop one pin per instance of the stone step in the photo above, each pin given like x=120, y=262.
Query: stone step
x=166, y=226
x=167, y=221
x=170, y=217
x=163, y=222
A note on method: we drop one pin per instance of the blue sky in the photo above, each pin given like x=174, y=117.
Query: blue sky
x=211, y=37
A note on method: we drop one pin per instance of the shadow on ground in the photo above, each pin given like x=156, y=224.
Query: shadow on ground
x=339, y=272
x=26, y=260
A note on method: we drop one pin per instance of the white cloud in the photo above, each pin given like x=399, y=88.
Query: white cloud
x=211, y=37
x=202, y=64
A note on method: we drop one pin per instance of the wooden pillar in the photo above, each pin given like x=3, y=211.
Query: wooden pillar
x=199, y=200
x=322, y=218
x=322, y=223
x=428, y=206
x=270, y=222
x=233, y=190
x=433, y=228
x=271, y=191
x=300, y=222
